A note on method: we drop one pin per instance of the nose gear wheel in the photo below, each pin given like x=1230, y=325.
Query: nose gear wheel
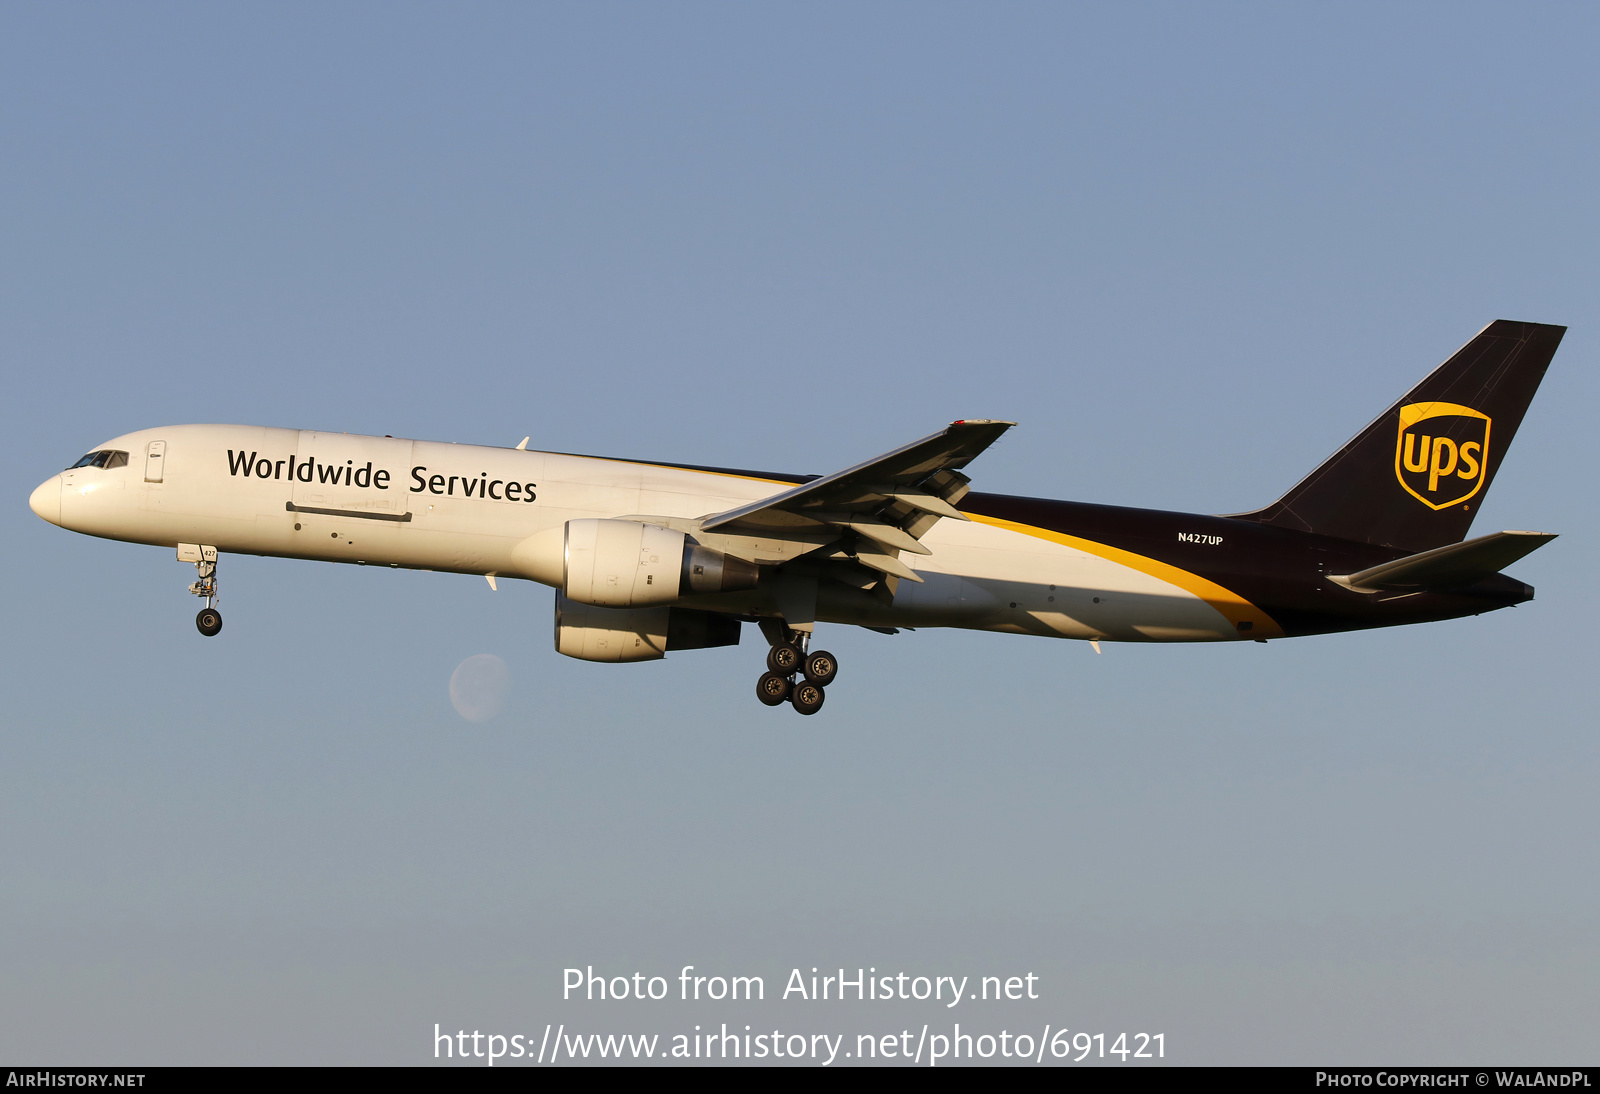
x=209, y=621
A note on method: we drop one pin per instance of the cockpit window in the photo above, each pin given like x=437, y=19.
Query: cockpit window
x=106, y=458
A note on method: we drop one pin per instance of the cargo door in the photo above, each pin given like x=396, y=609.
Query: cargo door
x=351, y=491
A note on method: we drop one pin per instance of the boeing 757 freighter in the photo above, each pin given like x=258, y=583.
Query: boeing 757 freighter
x=647, y=558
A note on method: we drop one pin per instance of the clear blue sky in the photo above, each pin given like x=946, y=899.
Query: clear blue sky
x=1190, y=248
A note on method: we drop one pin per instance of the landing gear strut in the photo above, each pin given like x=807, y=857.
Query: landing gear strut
x=788, y=658
x=209, y=621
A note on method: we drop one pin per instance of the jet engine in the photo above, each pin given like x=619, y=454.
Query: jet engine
x=629, y=564
x=592, y=633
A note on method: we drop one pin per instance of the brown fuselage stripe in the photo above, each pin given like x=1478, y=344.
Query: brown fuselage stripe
x=1227, y=603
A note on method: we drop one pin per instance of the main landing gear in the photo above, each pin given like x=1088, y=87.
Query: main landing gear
x=788, y=658
x=209, y=621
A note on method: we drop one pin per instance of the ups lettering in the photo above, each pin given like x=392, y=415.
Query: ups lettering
x=1462, y=459
x=1442, y=452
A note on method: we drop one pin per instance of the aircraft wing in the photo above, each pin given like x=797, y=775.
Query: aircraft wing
x=884, y=505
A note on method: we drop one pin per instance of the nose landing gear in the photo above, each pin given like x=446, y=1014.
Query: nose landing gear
x=788, y=658
x=209, y=621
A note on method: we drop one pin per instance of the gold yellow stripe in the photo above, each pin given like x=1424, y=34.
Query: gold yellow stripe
x=690, y=470
x=1229, y=604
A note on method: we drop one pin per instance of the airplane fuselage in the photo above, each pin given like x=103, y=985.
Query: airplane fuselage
x=1021, y=565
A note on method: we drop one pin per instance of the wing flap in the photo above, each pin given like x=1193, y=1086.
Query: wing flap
x=887, y=564
x=928, y=503
x=887, y=535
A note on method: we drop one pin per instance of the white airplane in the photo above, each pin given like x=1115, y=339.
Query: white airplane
x=648, y=558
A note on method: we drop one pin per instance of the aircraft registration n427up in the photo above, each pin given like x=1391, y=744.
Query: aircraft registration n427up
x=648, y=558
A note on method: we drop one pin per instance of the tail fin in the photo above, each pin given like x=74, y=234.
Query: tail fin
x=1414, y=479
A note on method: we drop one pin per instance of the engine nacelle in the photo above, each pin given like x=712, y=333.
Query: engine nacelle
x=592, y=633
x=630, y=564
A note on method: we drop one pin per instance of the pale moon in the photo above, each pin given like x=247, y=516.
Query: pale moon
x=478, y=687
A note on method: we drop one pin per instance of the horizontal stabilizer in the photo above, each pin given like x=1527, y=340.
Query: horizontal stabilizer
x=1451, y=566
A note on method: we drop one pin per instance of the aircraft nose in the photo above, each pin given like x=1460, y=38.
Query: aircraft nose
x=46, y=499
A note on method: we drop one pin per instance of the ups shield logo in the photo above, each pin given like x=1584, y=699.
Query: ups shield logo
x=1441, y=456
